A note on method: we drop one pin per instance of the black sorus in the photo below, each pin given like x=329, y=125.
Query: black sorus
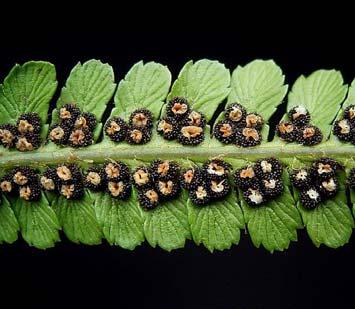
x=59, y=133
x=287, y=131
x=248, y=137
x=68, y=113
x=310, y=197
x=94, y=178
x=349, y=113
x=80, y=138
x=178, y=108
x=299, y=115
x=200, y=195
x=68, y=172
x=218, y=188
x=195, y=118
x=236, y=113
x=142, y=177
x=254, y=120
x=269, y=167
x=165, y=170
x=324, y=168
x=29, y=123
x=120, y=189
x=254, y=197
x=85, y=120
x=216, y=168
x=116, y=129
x=8, y=134
x=7, y=184
x=49, y=179
x=190, y=135
x=343, y=129
x=148, y=198
x=351, y=179
x=28, y=142
x=24, y=175
x=168, y=128
x=245, y=178
x=168, y=189
x=138, y=136
x=72, y=190
x=309, y=135
x=225, y=131
x=271, y=187
x=191, y=177
x=114, y=171
x=301, y=178
x=30, y=192
x=329, y=187
x=141, y=118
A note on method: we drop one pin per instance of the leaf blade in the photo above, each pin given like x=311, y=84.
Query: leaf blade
x=321, y=93
x=259, y=87
x=78, y=219
x=27, y=88
x=331, y=223
x=38, y=223
x=205, y=84
x=9, y=226
x=90, y=86
x=273, y=225
x=216, y=226
x=121, y=221
x=167, y=225
x=144, y=86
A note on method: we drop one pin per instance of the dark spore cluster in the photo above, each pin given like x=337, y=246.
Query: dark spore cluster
x=112, y=177
x=298, y=128
x=75, y=128
x=181, y=123
x=69, y=181
x=344, y=128
x=156, y=183
x=260, y=182
x=317, y=183
x=94, y=178
x=23, y=182
x=25, y=135
x=117, y=180
x=137, y=131
x=239, y=127
x=207, y=183
x=64, y=179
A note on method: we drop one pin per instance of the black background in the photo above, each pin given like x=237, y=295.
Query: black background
x=243, y=277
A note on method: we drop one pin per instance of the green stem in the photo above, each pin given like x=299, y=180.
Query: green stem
x=101, y=152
